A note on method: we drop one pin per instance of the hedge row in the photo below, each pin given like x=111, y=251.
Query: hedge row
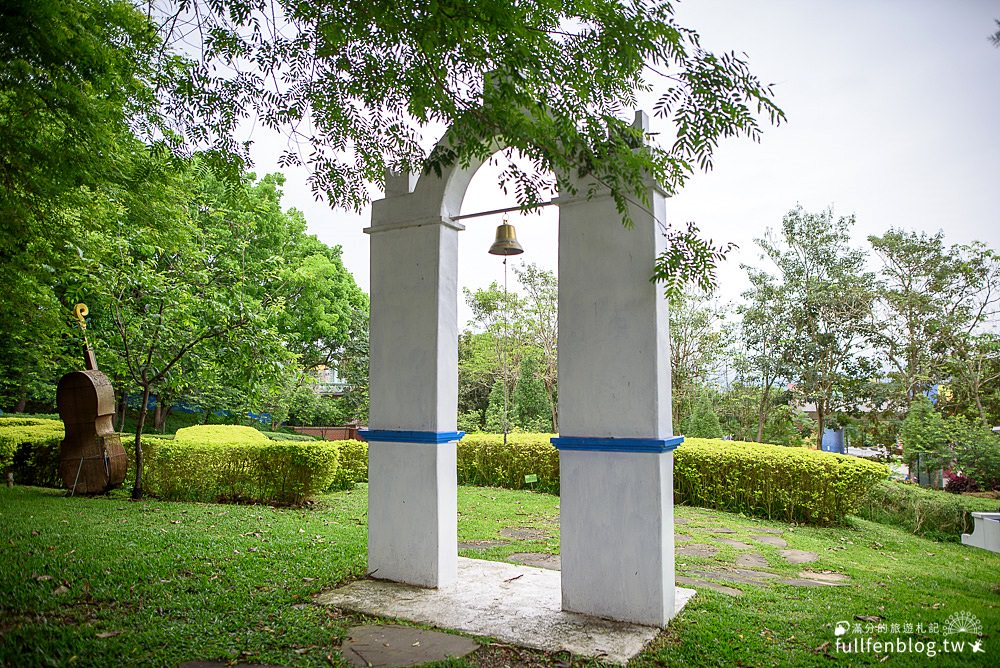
x=241, y=465
x=777, y=482
x=483, y=460
x=269, y=472
x=220, y=435
x=925, y=512
x=29, y=447
x=204, y=463
x=217, y=462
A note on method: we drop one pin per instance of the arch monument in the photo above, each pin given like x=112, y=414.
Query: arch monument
x=616, y=443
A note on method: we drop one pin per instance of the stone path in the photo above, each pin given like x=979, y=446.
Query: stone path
x=717, y=569
x=728, y=562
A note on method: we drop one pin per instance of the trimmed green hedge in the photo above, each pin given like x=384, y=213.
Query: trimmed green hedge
x=925, y=512
x=248, y=472
x=233, y=463
x=483, y=460
x=202, y=463
x=777, y=482
x=29, y=448
x=240, y=464
x=352, y=457
x=792, y=484
x=223, y=435
x=288, y=436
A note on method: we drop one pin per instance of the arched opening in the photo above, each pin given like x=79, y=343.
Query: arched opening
x=506, y=307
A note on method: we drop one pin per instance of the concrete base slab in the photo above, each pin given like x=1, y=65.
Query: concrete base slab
x=516, y=604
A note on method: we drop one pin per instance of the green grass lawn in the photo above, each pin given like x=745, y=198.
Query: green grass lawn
x=105, y=581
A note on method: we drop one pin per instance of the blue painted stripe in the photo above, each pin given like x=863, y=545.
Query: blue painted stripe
x=617, y=444
x=390, y=436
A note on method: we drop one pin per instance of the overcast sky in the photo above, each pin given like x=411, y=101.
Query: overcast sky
x=893, y=115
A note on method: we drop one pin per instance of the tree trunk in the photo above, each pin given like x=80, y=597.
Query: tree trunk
x=162, y=413
x=122, y=407
x=820, y=423
x=143, y=410
x=21, y=405
x=762, y=410
x=553, y=408
x=158, y=414
x=979, y=401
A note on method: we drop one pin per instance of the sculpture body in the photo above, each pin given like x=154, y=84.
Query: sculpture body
x=91, y=457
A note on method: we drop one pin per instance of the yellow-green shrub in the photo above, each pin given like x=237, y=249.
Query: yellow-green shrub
x=219, y=434
x=483, y=460
x=268, y=472
x=29, y=447
x=352, y=458
x=792, y=484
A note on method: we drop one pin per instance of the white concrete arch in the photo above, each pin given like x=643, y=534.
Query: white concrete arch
x=616, y=445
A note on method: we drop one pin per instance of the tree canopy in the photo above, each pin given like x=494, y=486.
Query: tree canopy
x=357, y=83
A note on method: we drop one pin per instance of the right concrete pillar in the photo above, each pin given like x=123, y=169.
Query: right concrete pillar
x=615, y=444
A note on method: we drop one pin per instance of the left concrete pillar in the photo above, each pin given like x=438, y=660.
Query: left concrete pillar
x=413, y=386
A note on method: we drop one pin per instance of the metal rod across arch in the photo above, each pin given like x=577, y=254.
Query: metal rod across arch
x=510, y=209
x=492, y=212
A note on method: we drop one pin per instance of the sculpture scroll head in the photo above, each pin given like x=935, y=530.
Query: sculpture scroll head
x=80, y=312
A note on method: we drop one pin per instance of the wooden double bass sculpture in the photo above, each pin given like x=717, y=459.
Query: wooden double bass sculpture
x=91, y=457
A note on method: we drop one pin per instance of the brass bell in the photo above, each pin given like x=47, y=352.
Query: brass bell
x=506, y=242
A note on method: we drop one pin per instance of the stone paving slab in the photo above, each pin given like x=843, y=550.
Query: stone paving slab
x=389, y=646
x=697, y=550
x=771, y=540
x=537, y=559
x=721, y=530
x=825, y=576
x=739, y=545
x=481, y=544
x=701, y=584
x=752, y=573
x=516, y=604
x=737, y=575
x=525, y=533
x=803, y=582
x=216, y=664
x=751, y=560
x=799, y=556
x=682, y=537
